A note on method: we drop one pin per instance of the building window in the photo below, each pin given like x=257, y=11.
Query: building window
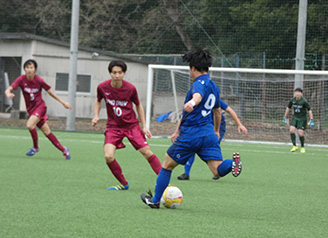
x=83, y=83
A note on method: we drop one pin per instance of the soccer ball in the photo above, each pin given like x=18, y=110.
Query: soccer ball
x=172, y=197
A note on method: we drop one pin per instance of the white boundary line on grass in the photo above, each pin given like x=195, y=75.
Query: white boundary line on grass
x=167, y=137
x=166, y=145
x=253, y=142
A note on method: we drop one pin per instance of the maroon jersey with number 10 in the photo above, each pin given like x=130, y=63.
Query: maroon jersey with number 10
x=119, y=105
x=32, y=91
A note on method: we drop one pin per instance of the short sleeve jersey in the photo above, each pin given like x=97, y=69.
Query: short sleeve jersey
x=299, y=106
x=119, y=103
x=32, y=91
x=202, y=115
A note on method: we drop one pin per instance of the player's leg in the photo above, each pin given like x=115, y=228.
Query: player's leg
x=152, y=159
x=164, y=177
x=302, y=139
x=163, y=180
x=43, y=125
x=292, y=130
x=31, y=126
x=301, y=127
x=222, y=133
x=138, y=140
x=187, y=168
x=115, y=168
x=211, y=153
x=181, y=151
x=222, y=168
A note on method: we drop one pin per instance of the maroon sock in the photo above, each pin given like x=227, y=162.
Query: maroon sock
x=54, y=141
x=155, y=163
x=34, y=135
x=117, y=171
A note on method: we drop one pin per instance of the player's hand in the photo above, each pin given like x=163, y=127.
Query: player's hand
x=10, y=95
x=174, y=136
x=147, y=132
x=67, y=105
x=284, y=120
x=311, y=123
x=217, y=133
x=242, y=129
x=95, y=121
x=188, y=107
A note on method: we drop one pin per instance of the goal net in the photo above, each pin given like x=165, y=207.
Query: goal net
x=258, y=96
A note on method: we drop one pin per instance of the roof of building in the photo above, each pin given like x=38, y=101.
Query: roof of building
x=27, y=36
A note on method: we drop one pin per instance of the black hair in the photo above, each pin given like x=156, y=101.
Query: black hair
x=30, y=61
x=118, y=63
x=200, y=59
x=298, y=90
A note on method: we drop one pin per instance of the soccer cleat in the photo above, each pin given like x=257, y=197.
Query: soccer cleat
x=302, y=150
x=66, y=153
x=148, y=200
x=295, y=148
x=236, y=164
x=183, y=177
x=32, y=151
x=215, y=178
x=119, y=187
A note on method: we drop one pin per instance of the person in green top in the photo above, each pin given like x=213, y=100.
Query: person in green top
x=299, y=121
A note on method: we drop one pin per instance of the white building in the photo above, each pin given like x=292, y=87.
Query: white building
x=52, y=57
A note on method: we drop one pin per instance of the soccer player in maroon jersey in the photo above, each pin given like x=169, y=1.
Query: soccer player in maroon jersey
x=32, y=85
x=119, y=96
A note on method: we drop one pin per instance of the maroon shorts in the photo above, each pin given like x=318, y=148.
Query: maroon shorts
x=40, y=112
x=134, y=134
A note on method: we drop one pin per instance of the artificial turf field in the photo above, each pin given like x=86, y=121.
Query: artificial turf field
x=278, y=194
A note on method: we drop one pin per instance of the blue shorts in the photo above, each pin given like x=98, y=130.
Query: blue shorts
x=185, y=146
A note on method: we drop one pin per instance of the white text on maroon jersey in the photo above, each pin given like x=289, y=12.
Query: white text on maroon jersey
x=31, y=90
x=117, y=102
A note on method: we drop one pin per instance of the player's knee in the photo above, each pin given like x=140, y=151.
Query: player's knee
x=46, y=130
x=30, y=126
x=146, y=152
x=109, y=158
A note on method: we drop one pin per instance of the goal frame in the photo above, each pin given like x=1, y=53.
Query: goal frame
x=151, y=68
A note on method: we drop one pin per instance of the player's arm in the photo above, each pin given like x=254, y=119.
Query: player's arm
x=9, y=93
x=311, y=123
x=65, y=104
x=286, y=114
x=176, y=132
x=141, y=114
x=241, y=127
x=287, y=111
x=217, y=117
x=311, y=115
x=196, y=99
x=96, y=111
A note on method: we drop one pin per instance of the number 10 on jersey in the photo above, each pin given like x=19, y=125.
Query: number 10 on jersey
x=117, y=111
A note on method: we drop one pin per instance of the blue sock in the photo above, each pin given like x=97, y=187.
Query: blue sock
x=225, y=167
x=188, y=165
x=163, y=180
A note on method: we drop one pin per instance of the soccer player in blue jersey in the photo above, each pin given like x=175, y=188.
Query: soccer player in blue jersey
x=241, y=128
x=198, y=129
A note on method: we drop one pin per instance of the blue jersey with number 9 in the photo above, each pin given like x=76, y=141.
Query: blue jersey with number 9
x=202, y=115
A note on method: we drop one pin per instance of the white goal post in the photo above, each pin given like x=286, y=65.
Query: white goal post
x=259, y=96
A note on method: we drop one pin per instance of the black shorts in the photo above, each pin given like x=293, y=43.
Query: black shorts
x=299, y=123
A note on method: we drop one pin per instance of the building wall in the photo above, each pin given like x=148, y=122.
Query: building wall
x=54, y=59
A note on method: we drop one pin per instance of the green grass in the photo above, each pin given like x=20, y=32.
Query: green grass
x=279, y=194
